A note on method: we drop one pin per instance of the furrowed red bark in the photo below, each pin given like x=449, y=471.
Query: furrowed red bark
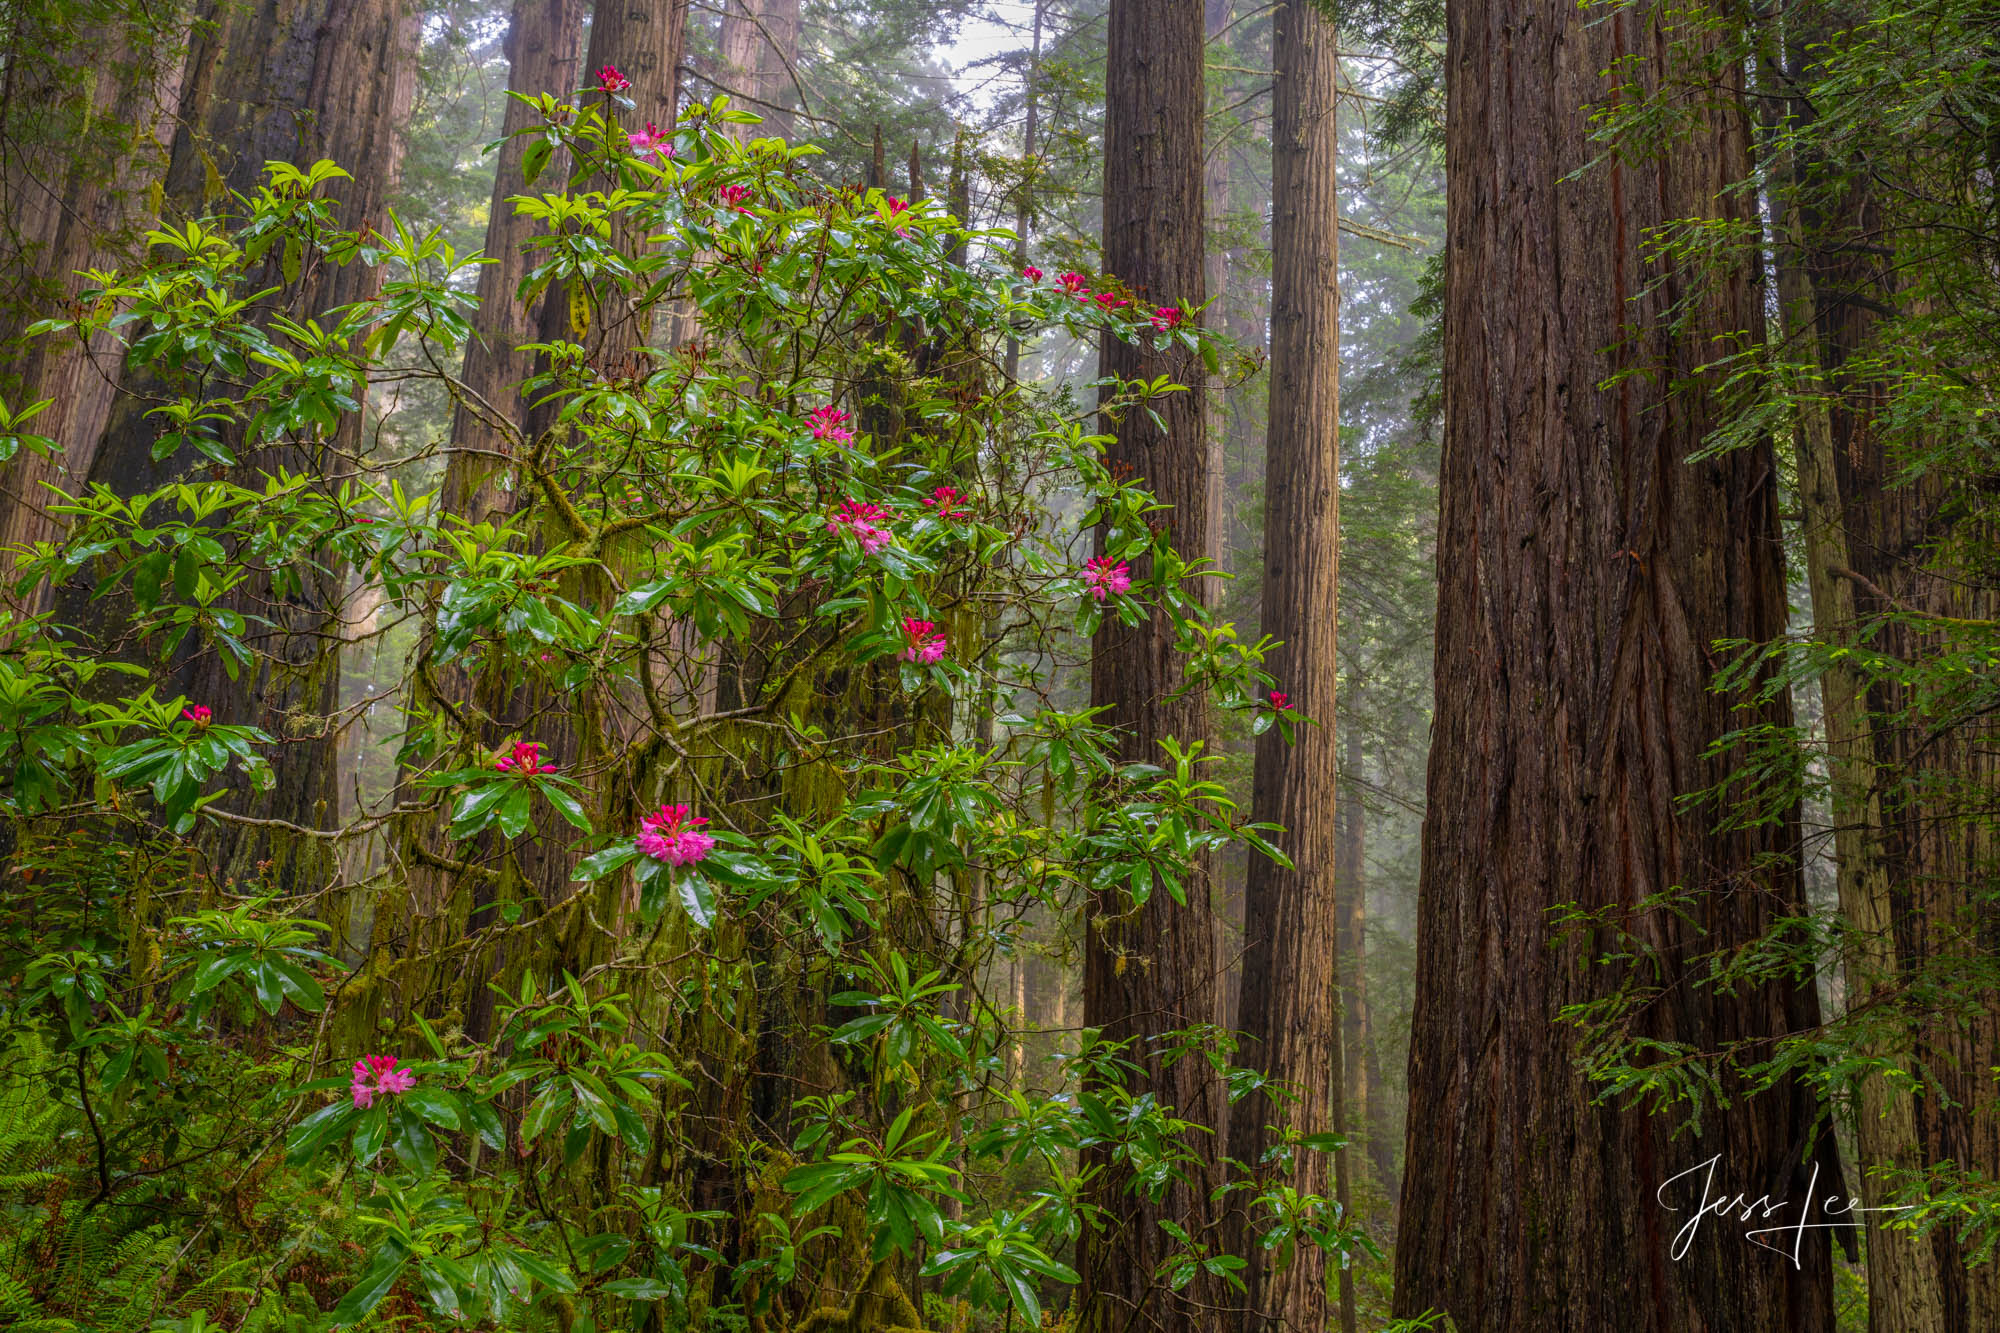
x=1586, y=569
x=1152, y=969
x=1290, y=1009
x=293, y=81
x=84, y=159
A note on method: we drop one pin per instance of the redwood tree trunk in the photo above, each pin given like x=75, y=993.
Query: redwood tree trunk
x=1152, y=969
x=85, y=139
x=1365, y=1103
x=1290, y=1007
x=294, y=81
x=1585, y=571
x=1926, y=940
x=644, y=39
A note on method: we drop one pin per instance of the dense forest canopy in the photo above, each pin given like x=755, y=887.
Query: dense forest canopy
x=1109, y=665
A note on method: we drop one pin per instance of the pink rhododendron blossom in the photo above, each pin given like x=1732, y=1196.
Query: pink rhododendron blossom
x=949, y=501
x=377, y=1076
x=672, y=835
x=1071, y=284
x=1280, y=701
x=921, y=642
x=198, y=714
x=1167, y=317
x=868, y=524
x=653, y=142
x=609, y=80
x=1032, y=274
x=524, y=759
x=830, y=423
x=1106, y=577
x=736, y=196
x=898, y=207
x=1107, y=302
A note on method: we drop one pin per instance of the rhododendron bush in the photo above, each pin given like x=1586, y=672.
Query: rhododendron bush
x=725, y=656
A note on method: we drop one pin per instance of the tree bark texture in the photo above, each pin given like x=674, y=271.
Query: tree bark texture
x=294, y=81
x=1585, y=570
x=1152, y=969
x=1290, y=1007
x=85, y=146
x=644, y=39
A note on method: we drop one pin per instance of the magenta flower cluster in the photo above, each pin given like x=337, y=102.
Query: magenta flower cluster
x=921, y=642
x=949, y=502
x=377, y=1076
x=868, y=524
x=1105, y=577
x=652, y=142
x=198, y=714
x=524, y=760
x=673, y=835
x=830, y=423
x=1077, y=287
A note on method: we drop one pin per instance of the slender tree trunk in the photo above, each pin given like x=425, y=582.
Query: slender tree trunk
x=85, y=144
x=489, y=426
x=1215, y=277
x=778, y=68
x=1024, y=205
x=739, y=48
x=1917, y=783
x=1905, y=1282
x=1585, y=571
x=1289, y=1012
x=544, y=51
x=1365, y=1102
x=1152, y=969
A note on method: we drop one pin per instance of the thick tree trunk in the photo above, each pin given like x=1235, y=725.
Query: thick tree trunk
x=644, y=39
x=293, y=81
x=86, y=143
x=1585, y=571
x=1289, y=1012
x=1152, y=969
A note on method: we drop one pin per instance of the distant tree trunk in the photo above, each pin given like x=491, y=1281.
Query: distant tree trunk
x=1153, y=969
x=1585, y=571
x=1365, y=1102
x=1906, y=1287
x=1024, y=204
x=1290, y=997
x=544, y=51
x=1215, y=278
x=644, y=40
x=777, y=68
x=86, y=143
x=1923, y=889
x=293, y=81
x=490, y=424
x=739, y=47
